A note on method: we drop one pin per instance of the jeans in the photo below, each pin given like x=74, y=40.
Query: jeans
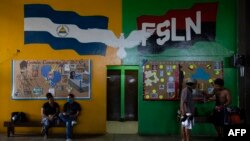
x=67, y=120
x=47, y=123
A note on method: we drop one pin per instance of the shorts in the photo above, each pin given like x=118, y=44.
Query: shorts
x=220, y=117
x=188, y=123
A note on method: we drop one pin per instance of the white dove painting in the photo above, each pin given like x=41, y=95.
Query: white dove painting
x=110, y=39
x=89, y=35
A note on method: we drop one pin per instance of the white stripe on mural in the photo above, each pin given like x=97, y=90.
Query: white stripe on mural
x=71, y=31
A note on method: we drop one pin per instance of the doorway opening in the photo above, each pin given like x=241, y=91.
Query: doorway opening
x=122, y=99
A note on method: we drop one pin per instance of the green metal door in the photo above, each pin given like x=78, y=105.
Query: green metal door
x=122, y=93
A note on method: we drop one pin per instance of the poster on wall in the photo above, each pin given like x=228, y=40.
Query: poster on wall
x=32, y=79
x=164, y=80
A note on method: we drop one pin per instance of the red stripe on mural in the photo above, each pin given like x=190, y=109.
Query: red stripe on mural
x=208, y=14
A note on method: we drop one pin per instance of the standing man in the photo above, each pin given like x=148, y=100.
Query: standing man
x=187, y=109
x=222, y=99
x=71, y=111
x=49, y=112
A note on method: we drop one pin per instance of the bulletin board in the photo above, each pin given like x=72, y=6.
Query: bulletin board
x=32, y=79
x=164, y=80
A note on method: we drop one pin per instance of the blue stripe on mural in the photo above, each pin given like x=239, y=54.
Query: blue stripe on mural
x=65, y=17
x=64, y=43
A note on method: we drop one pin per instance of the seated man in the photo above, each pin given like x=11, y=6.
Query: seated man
x=49, y=113
x=71, y=110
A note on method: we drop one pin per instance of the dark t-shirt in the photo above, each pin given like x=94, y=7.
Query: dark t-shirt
x=50, y=110
x=72, y=108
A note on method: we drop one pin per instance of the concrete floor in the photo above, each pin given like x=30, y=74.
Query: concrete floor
x=117, y=127
x=116, y=131
x=107, y=137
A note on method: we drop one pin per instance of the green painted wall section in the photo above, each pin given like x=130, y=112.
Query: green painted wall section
x=159, y=117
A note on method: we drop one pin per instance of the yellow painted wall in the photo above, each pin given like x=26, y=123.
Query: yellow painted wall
x=93, y=116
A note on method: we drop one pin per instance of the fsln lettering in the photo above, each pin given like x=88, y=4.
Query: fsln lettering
x=170, y=29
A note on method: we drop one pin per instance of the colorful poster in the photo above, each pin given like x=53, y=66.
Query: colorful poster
x=32, y=79
x=164, y=80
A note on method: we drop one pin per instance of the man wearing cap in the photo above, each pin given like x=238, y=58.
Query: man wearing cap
x=71, y=111
x=187, y=109
x=49, y=112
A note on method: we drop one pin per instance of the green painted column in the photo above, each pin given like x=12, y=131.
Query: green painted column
x=122, y=116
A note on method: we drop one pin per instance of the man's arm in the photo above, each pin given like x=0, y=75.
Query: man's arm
x=65, y=109
x=42, y=113
x=228, y=97
x=182, y=108
x=57, y=110
x=212, y=97
x=77, y=113
x=182, y=103
x=78, y=110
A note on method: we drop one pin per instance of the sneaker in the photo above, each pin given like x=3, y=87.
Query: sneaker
x=68, y=140
x=73, y=123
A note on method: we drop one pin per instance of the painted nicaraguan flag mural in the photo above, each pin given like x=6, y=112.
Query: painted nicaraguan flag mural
x=62, y=29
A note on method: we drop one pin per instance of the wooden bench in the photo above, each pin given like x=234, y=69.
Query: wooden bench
x=11, y=126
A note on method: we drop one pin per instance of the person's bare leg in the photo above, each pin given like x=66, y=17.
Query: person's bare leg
x=183, y=136
x=187, y=136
